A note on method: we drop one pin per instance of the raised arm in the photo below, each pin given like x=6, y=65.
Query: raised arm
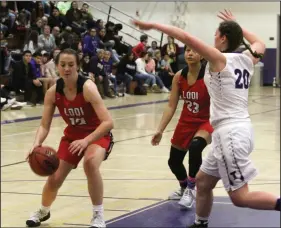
x=216, y=59
x=257, y=46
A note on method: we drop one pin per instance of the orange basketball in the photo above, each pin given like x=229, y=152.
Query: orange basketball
x=44, y=161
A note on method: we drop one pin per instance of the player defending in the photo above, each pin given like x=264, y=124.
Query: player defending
x=227, y=78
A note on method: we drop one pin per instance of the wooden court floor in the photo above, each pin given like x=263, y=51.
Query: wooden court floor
x=136, y=174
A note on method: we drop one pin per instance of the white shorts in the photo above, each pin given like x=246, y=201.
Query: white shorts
x=229, y=156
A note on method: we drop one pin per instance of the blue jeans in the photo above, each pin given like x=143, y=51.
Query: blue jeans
x=114, y=81
x=147, y=78
x=156, y=80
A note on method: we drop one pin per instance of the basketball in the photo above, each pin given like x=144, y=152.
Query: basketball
x=43, y=161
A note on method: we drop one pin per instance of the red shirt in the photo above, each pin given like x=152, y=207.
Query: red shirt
x=139, y=49
x=196, y=98
x=79, y=115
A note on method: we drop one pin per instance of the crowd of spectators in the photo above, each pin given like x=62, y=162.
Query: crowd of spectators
x=49, y=27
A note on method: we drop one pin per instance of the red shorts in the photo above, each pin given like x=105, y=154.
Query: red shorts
x=105, y=142
x=185, y=132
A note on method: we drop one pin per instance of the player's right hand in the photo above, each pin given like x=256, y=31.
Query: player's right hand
x=156, y=138
x=30, y=151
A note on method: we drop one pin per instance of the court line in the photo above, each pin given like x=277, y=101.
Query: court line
x=109, y=108
x=81, y=196
x=143, y=136
x=119, y=118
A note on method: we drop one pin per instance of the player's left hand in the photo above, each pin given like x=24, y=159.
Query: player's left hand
x=78, y=146
x=226, y=16
x=142, y=25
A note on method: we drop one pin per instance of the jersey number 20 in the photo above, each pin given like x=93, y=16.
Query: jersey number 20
x=192, y=106
x=243, y=79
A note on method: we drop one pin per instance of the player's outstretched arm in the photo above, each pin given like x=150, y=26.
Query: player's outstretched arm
x=168, y=112
x=256, y=44
x=215, y=58
x=92, y=95
x=48, y=112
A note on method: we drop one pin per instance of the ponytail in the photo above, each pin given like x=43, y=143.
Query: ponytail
x=255, y=54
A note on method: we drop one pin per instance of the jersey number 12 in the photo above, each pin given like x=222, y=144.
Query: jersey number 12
x=242, y=82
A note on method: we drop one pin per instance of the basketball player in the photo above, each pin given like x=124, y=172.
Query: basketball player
x=227, y=78
x=193, y=131
x=87, y=135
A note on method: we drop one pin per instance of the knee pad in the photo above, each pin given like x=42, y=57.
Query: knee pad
x=175, y=163
x=196, y=147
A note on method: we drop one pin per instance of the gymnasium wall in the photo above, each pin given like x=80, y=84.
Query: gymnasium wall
x=259, y=17
x=201, y=21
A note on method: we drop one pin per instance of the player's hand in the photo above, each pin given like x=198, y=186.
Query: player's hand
x=156, y=138
x=31, y=150
x=78, y=146
x=142, y=25
x=226, y=16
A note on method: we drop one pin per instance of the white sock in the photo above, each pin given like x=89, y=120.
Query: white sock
x=201, y=220
x=98, y=208
x=45, y=209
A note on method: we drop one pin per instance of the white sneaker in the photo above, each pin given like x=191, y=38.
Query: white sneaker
x=165, y=90
x=37, y=217
x=10, y=102
x=176, y=195
x=98, y=221
x=188, y=198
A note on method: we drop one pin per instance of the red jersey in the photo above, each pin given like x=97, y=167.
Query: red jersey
x=78, y=114
x=196, y=106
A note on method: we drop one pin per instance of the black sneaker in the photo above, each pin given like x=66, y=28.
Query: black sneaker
x=200, y=225
x=37, y=217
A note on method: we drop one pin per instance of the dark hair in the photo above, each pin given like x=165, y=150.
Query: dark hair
x=234, y=35
x=26, y=52
x=143, y=38
x=68, y=51
x=37, y=53
x=142, y=54
x=150, y=54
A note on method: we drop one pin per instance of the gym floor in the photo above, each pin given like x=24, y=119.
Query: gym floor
x=137, y=178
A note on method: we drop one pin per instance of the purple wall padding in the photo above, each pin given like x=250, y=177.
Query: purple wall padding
x=269, y=70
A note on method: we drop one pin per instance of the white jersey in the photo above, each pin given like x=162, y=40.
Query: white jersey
x=229, y=89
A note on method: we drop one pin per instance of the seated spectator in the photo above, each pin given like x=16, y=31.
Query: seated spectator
x=25, y=81
x=87, y=17
x=150, y=64
x=46, y=41
x=50, y=68
x=99, y=24
x=38, y=11
x=31, y=43
x=91, y=43
x=74, y=18
x=5, y=18
x=70, y=43
x=108, y=45
x=98, y=75
x=141, y=47
x=107, y=66
x=46, y=81
x=57, y=36
x=56, y=19
x=127, y=72
x=85, y=66
x=154, y=80
x=5, y=55
x=153, y=48
x=38, y=26
x=36, y=62
x=166, y=73
x=170, y=48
